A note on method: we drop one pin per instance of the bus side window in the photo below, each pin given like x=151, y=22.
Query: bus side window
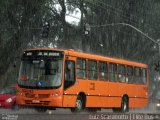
x=92, y=70
x=81, y=68
x=144, y=76
x=103, y=71
x=69, y=73
x=138, y=75
x=129, y=77
x=113, y=72
x=122, y=73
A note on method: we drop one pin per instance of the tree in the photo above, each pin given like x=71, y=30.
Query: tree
x=21, y=24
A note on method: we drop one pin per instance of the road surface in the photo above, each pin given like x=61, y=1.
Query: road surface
x=65, y=114
x=149, y=113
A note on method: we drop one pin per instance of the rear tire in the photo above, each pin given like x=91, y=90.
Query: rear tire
x=124, y=105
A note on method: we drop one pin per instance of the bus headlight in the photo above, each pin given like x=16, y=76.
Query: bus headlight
x=9, y=100
x=19, y=93
x=55, y=94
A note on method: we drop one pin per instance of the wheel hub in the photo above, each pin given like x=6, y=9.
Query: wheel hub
x=79, y=104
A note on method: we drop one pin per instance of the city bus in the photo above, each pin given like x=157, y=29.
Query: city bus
x=53, y=78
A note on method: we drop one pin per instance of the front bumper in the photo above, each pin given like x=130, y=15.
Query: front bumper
x=47, y=102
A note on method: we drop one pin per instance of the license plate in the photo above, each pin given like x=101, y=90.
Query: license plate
x=35, y=101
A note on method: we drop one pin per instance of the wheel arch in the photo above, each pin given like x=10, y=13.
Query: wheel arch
x=83, y=95
x=125, y=96
x=125, y=99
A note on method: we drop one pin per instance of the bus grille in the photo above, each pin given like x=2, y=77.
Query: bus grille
x=29, y=102
x=37, y=95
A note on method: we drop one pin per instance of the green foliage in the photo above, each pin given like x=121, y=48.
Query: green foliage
x=21, y=24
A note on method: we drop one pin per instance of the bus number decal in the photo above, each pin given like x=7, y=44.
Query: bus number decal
x=92, y=86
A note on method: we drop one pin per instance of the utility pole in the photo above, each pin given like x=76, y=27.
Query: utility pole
x=125, y=24
x=128, y=25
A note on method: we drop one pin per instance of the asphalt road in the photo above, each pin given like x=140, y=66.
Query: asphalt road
x=65, y=114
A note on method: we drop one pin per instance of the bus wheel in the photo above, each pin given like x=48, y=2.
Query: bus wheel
x=124, y=105
x=80, y=104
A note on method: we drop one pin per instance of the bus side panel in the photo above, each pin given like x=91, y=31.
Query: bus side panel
x=137, y=95
x=69, y=100
x=93, y=101
x=95, y=95
x=144, y=91
x=103, y=101
x=114, y=101
x=137, y=102
x=70, y=95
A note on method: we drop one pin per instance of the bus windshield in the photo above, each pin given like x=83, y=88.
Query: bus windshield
x=40, y=73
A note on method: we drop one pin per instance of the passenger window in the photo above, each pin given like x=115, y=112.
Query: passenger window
x=81, y=68
x=92, y=70
x=144, y=76
x=121, y=73
x=113, y=72
x=103, y=71
x=138, y=75
x=129, y=77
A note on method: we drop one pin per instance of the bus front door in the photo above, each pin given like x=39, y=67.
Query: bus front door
x=69, y=73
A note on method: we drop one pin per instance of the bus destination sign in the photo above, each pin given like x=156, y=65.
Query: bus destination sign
x=42, y=54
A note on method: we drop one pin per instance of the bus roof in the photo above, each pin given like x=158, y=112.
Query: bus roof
x=74, y=53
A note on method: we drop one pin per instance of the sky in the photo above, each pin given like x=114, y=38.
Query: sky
x=72, y=18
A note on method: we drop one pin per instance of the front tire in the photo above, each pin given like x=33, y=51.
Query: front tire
x=80, y=104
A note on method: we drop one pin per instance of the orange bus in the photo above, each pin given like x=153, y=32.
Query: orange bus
x=52, y=78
